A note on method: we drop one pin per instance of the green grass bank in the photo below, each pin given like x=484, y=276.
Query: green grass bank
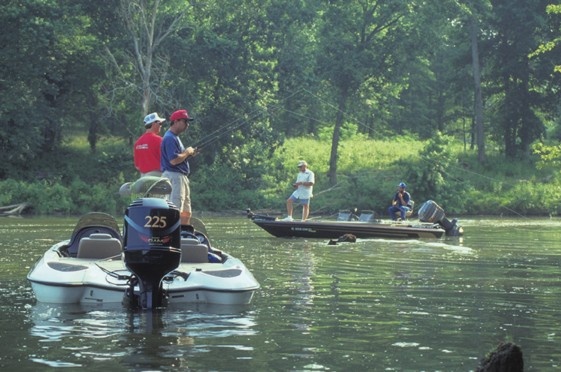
x=74, y=180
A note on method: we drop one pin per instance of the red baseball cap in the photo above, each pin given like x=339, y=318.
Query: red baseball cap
x=180, y=114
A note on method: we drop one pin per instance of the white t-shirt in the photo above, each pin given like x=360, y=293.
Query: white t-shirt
x=304, y=192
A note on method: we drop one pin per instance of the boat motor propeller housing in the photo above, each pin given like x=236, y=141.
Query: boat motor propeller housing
x=152, y=241
x=433, y=213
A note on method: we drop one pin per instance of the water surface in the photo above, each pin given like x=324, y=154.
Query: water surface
x=371, y=305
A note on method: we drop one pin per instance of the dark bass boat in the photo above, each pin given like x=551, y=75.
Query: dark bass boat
x=432, y=224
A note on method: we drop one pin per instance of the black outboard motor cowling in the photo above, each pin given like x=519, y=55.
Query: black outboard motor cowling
x=433, y=213
x=152, y=241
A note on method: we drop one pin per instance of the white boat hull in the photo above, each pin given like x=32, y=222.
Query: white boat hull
x=70, y=280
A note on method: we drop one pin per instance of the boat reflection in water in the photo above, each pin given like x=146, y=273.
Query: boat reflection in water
x=137, y=339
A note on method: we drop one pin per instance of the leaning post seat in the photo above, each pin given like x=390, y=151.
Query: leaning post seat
x=99, y=246
x=409, y=212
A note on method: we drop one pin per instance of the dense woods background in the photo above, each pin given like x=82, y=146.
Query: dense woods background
x=465, y=94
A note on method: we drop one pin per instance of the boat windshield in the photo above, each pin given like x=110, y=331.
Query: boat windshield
x=147, y=186
x=96, y=219
x=93, y=222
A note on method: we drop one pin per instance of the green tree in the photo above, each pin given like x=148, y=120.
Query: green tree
x=519, y=125
x=46, y=75
x=357, y=41
x=224, y=71
x=139, y=61
x=475, y=12
x=432, y=174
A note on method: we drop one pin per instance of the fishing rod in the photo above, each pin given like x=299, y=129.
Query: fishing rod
x=224, y=130
x=230, y=127
x=218, y=133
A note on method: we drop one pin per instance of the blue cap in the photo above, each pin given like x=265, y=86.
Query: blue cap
x=401, y=184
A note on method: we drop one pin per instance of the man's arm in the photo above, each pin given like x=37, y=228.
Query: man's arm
x=180, y=158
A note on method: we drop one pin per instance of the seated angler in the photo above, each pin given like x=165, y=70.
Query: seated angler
x=400, y=203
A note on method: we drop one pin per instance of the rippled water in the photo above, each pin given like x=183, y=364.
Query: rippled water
x=370, y=305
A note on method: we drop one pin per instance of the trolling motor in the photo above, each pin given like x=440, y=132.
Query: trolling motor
x=152, y=241
x=253, y=216
x=433, y=213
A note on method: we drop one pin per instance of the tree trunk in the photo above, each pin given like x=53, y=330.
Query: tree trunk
x=478, y=96
x=332, y=174
x=93, y=124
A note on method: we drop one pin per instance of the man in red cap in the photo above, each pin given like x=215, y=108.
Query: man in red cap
x=175, y=164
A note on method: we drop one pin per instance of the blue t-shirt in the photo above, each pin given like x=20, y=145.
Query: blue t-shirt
x=171, y=148
x=406, y=199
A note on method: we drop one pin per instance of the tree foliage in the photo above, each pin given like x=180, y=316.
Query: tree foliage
x=254, y=73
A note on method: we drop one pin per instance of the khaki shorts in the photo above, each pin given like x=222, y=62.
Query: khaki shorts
x=180, y=191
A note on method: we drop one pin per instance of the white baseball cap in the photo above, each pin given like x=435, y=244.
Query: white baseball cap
x=150, y=118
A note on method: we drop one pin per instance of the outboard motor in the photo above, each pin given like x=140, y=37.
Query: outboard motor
x=152, y=241
x=433, y=213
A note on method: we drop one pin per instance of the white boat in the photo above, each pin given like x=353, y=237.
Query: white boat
x=155, y=262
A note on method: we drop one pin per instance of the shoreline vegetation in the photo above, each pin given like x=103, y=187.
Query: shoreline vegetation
x=440, y=169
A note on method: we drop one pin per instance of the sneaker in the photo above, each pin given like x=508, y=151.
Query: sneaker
x=288, y=219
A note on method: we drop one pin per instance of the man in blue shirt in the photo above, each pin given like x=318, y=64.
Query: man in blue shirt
x=400, y=202
x=175, y=165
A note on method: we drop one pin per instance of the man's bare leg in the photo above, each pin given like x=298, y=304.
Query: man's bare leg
x=305, y=211
x=289, y=208
x=185, y=218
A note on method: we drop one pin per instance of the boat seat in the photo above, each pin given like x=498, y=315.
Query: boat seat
x=366, y=216
x=409, y=212
x=347, y=215
x=99, y=246
x=192, y=251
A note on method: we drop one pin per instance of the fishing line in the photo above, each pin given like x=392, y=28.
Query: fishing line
x=226, y=129
x=367, y=127
x=476, y=174
x=358, y=122
x=300, y=115
x=239, y=122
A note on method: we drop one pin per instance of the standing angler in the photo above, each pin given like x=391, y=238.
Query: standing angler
x=147, y=148
x=304, y=186
x=175, y=164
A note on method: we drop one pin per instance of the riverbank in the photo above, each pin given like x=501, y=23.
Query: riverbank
x=439, y=169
